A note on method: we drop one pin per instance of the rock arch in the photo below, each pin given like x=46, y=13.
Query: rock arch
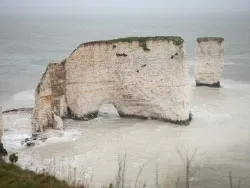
x=108, y=110
x=144, y=77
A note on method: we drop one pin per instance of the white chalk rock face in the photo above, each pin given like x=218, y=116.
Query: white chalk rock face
x=142, y=77
x=58, y=123
x=209, y=66
x=50, y=98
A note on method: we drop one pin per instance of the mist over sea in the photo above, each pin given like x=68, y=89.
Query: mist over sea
x=30, y=41
x=220, y=129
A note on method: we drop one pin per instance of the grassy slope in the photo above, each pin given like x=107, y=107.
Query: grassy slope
x=12, y=176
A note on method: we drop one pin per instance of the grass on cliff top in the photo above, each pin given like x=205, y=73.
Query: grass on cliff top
x=12, y=176
x=206, y=39
x=175, y=39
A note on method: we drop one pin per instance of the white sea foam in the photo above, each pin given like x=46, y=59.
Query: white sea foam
x=220, y=125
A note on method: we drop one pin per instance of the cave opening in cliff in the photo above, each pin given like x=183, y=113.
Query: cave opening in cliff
x=107, y=110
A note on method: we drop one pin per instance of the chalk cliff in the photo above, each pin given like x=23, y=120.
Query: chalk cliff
x=3, y=152
x=209, y=61
x=144, y=77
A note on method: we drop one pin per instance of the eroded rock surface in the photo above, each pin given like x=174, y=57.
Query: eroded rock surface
x=209, y=61
x=141, y=77
x=3, y=151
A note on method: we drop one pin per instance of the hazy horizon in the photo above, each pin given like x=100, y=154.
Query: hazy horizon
x=118, y=6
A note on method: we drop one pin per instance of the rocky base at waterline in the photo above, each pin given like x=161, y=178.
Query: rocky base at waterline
x=3, y=152
x=178, y=122
x=15, y=110
x=214, y=85
x=34, y=140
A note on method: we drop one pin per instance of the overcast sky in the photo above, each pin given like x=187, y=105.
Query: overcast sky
x=122, y=6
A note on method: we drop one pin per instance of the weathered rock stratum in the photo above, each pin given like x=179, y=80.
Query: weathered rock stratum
x=145, y=77
x=209, y=61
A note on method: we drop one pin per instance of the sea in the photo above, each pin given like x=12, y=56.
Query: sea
x=218, y=137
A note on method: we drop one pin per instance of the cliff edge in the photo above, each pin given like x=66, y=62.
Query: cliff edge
x=145, y=77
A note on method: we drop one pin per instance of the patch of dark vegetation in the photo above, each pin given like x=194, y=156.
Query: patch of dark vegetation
x=214, y=85
x=179, y=122
x=114, y=46
x=121, y=55
x=18, y=110
x=142, y=41
x=176, y=54
x=137, y=71
x=172, y=57
x=144, y=65
x=206, y=39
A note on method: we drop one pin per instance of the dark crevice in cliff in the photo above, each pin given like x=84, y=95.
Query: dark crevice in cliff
x=214, y=85
x=121, y=55
x=85, y=117
x=172, y=56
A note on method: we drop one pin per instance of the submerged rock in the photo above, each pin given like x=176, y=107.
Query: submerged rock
x=34, y=140
x=3, y=152
x=144, y=77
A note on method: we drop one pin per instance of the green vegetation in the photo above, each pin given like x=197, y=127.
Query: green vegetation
x=142, y=41
x=206, y=39
x=12, y=176
x=175, y=39
x=13, y=158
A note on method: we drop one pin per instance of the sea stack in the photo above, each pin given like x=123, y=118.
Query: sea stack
x=209, y=65
x=144, y=77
